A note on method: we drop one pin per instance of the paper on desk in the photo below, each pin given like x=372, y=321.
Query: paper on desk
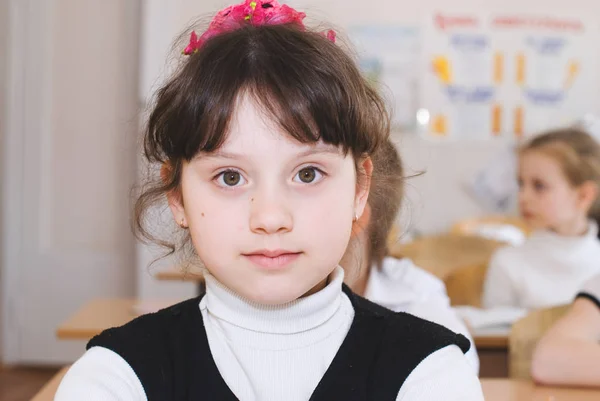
x=477, y=318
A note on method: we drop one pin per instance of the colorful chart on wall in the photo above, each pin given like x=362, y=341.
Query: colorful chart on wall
x=389, y=56
x=506, y=76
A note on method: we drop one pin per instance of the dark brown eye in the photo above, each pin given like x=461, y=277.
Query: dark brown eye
x=307, y=175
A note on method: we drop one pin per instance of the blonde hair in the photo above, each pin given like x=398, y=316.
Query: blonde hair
x=577, y=153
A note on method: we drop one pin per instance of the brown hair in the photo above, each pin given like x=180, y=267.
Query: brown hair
x=578, y=155
x=385, y=199
x=307, y=84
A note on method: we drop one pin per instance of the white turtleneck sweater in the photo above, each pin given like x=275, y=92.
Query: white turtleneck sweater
x=272, y=353
x=547, y=270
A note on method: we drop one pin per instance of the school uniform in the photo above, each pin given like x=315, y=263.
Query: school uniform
x=547, y=270
x=332, y=345
x=401, y=286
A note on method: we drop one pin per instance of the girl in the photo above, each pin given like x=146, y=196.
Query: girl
x=266, y=133
x=569, y=353
x=559, y=177
x=396, y=284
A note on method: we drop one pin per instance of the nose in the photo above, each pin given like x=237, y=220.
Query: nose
x=270, y=212
x=524, y=195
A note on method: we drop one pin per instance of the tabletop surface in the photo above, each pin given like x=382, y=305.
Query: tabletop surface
x=96, y=316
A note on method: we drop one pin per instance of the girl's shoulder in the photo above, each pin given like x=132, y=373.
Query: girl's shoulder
x=399, y=329
x=100, y=374
x=399, y=284
x=403, y=273
x=591, y=290
x=398, y=342
x=510, y=255
x=152, y=342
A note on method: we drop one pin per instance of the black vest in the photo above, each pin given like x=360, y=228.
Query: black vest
x=169, y=353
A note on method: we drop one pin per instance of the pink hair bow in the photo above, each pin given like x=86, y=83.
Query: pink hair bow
x=253, y=12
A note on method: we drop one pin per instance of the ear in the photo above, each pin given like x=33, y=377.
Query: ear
x=174, y=197
x=587, y=193
x=361, y=225
x=365, y=170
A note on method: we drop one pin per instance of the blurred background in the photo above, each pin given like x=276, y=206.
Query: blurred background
x=76, y=77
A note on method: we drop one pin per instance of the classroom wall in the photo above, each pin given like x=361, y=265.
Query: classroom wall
x=435, y=199
x=71, y=155
x=438, y=198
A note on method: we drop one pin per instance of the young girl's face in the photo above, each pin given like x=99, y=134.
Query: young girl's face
x=269, y=217
x=546, y=198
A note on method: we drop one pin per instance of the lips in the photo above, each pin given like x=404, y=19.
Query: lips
x=526, y=214
x=272, y=259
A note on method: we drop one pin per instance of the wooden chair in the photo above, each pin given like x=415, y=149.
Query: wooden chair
x=524, y=336
x=470, y=226
x=444, y=254
x=465, y=285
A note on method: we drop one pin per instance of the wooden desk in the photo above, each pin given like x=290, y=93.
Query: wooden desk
x=442, y=254
x=496, y=338
x=492, y=348
x=96, y=316
x=519, y=390
x=101, y=314
x=491, y=342
x=49, y=390
x=176, y=273
x=192, y=274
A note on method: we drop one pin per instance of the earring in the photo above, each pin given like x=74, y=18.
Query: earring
x=182, y=223
x=355, y=218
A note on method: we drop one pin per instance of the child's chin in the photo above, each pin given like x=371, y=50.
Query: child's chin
x=536, y=224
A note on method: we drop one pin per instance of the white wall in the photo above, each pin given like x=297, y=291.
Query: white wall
x=70, y=163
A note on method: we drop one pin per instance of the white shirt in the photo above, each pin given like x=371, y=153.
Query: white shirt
x=547, y=270
x=401, y=286
x=591, y=290
x=272, y=353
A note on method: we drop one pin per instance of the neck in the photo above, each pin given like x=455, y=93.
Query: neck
x=578, y=227
x=295, y=316
x=356, y=263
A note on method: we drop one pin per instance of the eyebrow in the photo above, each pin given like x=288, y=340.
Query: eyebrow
x=319, y=149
